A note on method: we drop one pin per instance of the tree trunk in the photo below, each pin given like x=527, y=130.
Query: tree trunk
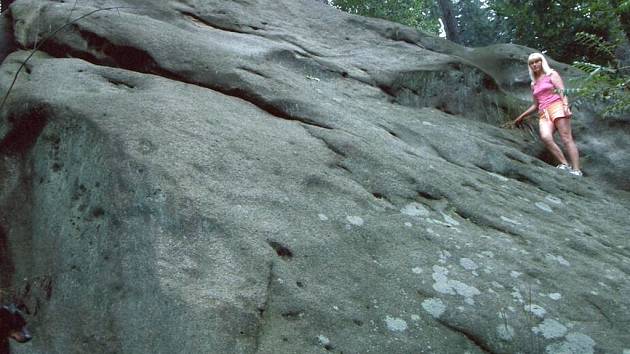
x=450, y=23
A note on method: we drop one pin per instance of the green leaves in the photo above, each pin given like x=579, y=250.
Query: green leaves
x=607, y=87
x=551, y=26
x=420, y=14
x=598, y=44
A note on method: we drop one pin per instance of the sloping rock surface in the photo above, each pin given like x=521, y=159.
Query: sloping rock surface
x=276, y=176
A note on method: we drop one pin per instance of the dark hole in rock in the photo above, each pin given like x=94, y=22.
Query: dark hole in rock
x=299, y=284
x=119, y=83
x=358, y=322
x=546, y=156
x=329, y=347
x=6, y=263
x=377, y=195
x=292, y=315
x=48, y=287
x=489, y=83
x=25, y=132
x=429, y=195
x=281, y=250
x=98, y=212
x=344, y=74
x=444, y=108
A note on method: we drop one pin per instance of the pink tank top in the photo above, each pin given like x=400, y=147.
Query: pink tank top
x=544, y=92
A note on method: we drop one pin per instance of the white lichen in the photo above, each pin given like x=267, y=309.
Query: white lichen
x=555, y=296
x=323, y=340
x=559, y=259
x=497, y=284
x=544, y=207
x=468, y=264
x=450, y=220
x=511, y=221
x=395, y=324
x=322, y=217
x=505, y=332
x=501, y=178
x=488, y=254
x=445, y=285
x=550, y=328
x=434, y=306
x=444, y=256
x=355, y=220
x=536, y=310
x=552, y=199
x=414, y=209
x=517, y=295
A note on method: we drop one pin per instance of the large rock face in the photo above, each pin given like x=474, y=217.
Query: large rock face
x=275, y=176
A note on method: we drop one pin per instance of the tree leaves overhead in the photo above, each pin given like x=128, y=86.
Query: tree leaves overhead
x=547, y=25
x=420, y=14
x=551, y=26
x=479, y=24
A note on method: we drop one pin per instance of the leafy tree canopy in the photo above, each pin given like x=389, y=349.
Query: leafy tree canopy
x=420, y=14
x=551, y=26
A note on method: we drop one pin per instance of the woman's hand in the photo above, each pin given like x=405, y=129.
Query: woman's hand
x=513, y=124
x=567, y=110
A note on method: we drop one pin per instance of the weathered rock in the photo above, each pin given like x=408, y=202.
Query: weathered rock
x=281, y=177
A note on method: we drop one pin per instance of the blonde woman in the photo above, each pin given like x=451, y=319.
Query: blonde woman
x=553, y=112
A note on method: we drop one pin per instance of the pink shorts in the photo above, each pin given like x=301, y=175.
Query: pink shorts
x=553, y=112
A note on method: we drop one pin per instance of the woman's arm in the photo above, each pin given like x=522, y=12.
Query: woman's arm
x=559, y=85
x=533, y=108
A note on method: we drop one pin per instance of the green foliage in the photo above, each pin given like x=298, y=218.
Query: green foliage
x=598, y=44
x=478, y=23
x=551, y=25
x=420, y=14
x=607, y=86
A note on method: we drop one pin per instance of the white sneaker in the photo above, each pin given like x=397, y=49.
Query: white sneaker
x=576, y=173
x=563, y=167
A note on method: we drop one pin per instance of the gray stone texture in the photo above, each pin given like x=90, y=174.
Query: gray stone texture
x=276, y=176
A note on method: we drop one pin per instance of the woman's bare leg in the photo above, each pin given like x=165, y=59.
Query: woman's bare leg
x=564, y=129
x=546, y=129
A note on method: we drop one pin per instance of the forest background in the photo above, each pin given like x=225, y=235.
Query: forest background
x=593, y=35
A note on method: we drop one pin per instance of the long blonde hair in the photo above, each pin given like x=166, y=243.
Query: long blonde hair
x=545, y=66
